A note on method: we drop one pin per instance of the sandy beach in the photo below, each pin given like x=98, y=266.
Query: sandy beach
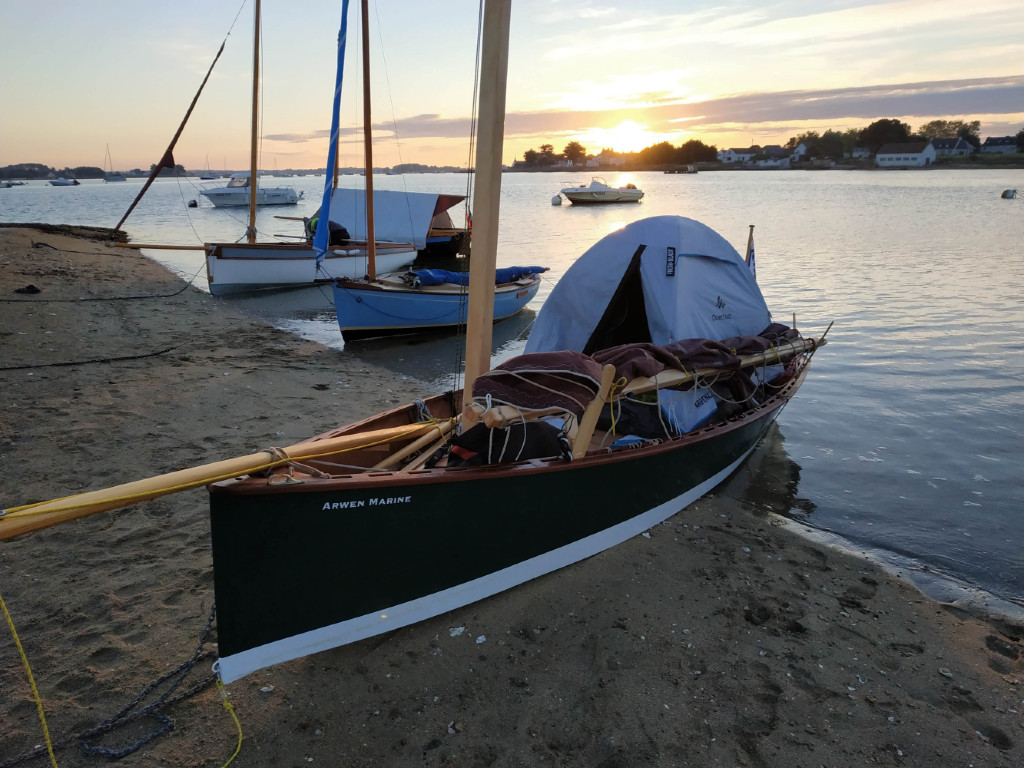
x=722, y=637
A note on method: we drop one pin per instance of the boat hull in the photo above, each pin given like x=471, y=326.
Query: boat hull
x=368, y=310
x=591, y=197
x=238, y=198
x=243, y=268
x=303, y=568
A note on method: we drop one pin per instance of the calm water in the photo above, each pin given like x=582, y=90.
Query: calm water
x=906, y=442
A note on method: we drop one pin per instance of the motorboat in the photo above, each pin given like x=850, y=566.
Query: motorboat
x=62, y=182
x=599, y=191
x=236, y=193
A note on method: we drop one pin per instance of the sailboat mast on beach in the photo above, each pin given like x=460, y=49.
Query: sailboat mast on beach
x=652, y=372
x=252, y=266
x=416, y=299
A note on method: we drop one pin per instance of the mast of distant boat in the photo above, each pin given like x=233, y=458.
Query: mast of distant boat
x=250, y=233
x=371, y=247
x=491, y=122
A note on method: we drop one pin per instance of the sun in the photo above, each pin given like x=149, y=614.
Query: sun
x=627, y=136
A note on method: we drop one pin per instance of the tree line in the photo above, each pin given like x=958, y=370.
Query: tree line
x=828, y=145
x=664, y=153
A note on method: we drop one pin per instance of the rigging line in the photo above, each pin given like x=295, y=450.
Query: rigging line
x=167, y=161
x=387, y=79
x=108, y=298
x=470, y=179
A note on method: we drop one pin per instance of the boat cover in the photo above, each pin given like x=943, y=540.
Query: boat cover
x=659, y=280
x=398, y=217
x=501, y=275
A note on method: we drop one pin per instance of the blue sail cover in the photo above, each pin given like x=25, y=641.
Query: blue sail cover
x=502, y=275
x=322, y=234
x=672, y=277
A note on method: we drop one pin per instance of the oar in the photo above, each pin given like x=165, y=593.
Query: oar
x=32, y=517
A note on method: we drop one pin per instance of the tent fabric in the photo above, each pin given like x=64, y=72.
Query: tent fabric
x=398, y=217
x=694, y=286
x=441, y=276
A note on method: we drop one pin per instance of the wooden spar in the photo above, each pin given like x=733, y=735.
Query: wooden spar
x=139, y=246
x=675, y=378
x=443, y=428
x=502, y=416
x=491, y=133
x=250, y=233
x=371, y=252
x=31, y=518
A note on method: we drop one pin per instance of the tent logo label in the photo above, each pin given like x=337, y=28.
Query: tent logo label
x=670, y=262
x=725, y=316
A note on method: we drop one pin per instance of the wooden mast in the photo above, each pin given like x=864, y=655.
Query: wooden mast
x=491, y=134
x=371, y=249
x=250, y=233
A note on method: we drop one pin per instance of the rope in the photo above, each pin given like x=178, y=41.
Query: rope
x=231, y=711
x=31, y=682
x=102, y=298
x=96, y=360
x=125, y=715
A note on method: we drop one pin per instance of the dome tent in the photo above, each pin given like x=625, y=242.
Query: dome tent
x=658, y=280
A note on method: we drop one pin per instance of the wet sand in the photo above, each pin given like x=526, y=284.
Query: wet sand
x=721, y=637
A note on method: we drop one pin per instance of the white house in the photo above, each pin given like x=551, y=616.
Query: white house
x=1002, y=145
x=776, y=157
x=737, y=155
x=911, y=155
x=955, y=146
x=799, y=153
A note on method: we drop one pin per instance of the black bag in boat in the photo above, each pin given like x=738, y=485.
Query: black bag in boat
x=519, y=442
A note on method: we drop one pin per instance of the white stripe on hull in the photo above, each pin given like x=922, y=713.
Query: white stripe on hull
x=238, y=665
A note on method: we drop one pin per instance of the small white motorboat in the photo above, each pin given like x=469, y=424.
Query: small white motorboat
x=598, y=191
x=236, y=193
x=62, y=182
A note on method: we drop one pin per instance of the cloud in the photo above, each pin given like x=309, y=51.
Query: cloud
x=957, y=99
x=944, y=98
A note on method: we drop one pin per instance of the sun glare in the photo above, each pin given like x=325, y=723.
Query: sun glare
x=627, y=136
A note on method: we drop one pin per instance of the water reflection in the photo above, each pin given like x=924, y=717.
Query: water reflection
x=768, y=482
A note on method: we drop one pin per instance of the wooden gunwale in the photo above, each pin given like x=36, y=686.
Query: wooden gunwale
x=384, y=478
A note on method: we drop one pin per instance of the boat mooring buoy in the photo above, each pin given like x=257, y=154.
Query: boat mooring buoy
x=193, y=204
x=556, y=200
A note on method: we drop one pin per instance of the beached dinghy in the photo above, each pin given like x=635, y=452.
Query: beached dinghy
x=625, y=409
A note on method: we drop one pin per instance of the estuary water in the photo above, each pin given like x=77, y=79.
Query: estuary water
x=906, y=442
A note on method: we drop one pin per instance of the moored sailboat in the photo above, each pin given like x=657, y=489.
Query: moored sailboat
x=251, y=266
x=385, y=304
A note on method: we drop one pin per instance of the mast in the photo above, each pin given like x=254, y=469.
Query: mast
x=493, y=77
x=250, y=233
x=371, y=246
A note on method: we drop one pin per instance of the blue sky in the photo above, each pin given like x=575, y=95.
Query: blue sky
x=78, y=76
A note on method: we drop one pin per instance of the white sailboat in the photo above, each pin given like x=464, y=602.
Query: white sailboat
x=385, y=304
x=108, y=169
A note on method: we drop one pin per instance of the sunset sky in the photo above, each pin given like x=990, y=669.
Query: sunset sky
x=78, y=76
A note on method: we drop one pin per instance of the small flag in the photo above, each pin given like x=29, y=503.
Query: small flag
x=750, y=253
